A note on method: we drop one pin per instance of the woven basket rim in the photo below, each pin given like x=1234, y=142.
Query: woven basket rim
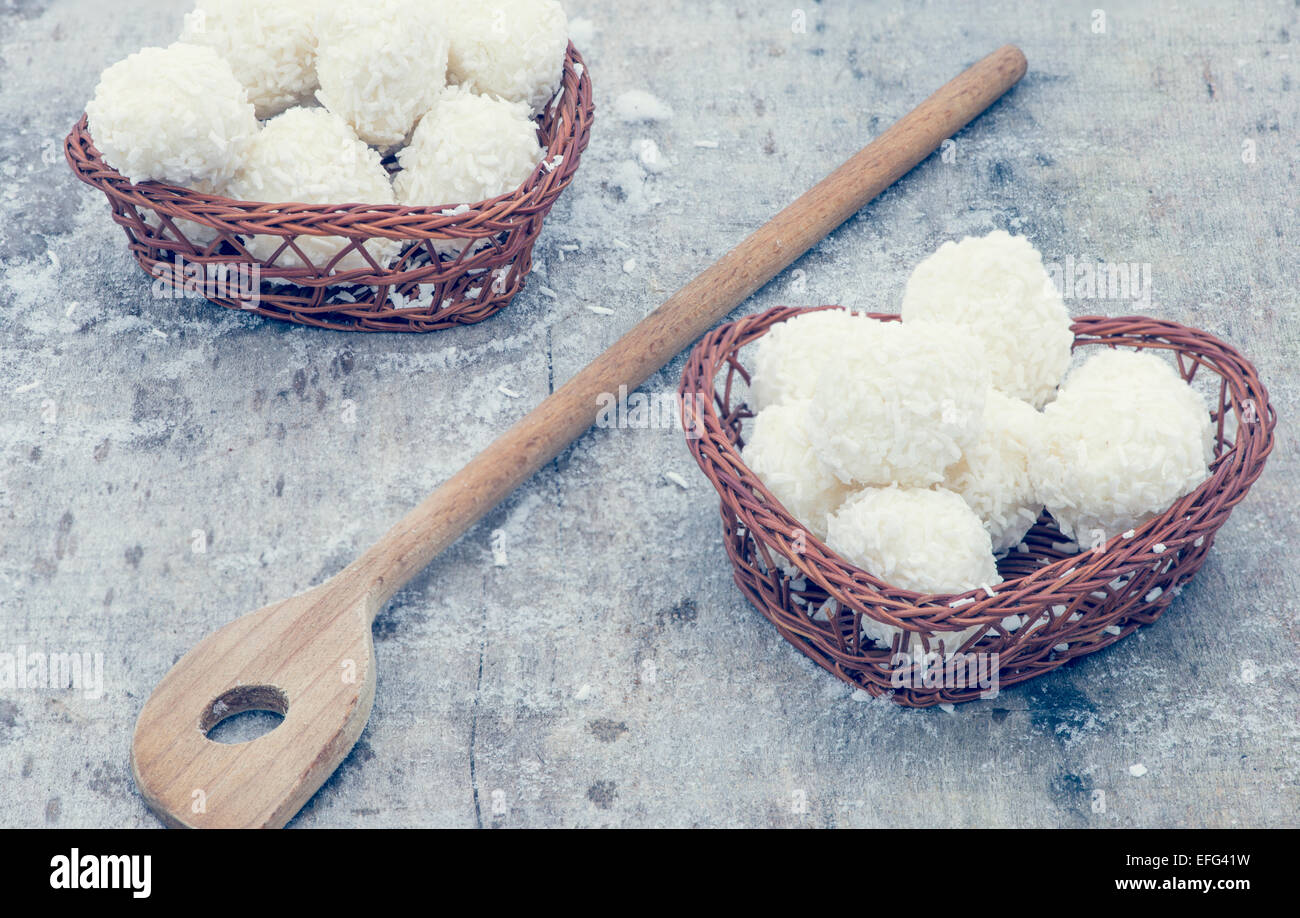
x=392, y=221
x=864, y=593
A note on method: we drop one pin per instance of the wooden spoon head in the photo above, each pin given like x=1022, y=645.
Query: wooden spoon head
x=311, y=659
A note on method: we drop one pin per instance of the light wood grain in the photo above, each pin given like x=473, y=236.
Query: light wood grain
x=313, y=655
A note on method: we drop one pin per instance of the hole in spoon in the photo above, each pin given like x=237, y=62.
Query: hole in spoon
x=244, y=714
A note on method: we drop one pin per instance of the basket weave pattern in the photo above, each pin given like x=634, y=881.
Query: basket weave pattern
x=1072, y=604
x=500, y=234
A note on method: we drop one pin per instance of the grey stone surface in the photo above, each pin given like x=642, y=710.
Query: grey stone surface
x=131, y=428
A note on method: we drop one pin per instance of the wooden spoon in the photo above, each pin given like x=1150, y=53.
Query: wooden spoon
x=312, y=658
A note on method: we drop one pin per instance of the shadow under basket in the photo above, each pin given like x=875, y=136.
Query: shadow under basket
x=1055, y=604
x=191, y=242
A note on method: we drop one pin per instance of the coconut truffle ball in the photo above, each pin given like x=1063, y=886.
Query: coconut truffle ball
x=270, y=45
x=929, y=541
x=514, y=49
x=381, y=65
x=902, y=410
x=996, y=288
x=311, y=156
x=469, y=148
x=789, y=356
x=993, y=474
x=1125, y=439
x=778, y=452
x=174, y=114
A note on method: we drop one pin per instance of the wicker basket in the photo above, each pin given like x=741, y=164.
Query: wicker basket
x=1069, y=604
x=419, y=292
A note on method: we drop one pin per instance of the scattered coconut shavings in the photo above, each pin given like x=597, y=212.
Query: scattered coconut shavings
x=1130, y=534
x=499, y=557
x=601, y=310
x=582, y=31
x=1158, y=548
x=27, y=388
x=629, y=266
x=950, y=708
x=1137, y=770
x=548, y=293
x=508, y=392
x=1154, y=594
x=964, y=601
x=638, y=105
x=707, y=144
x=1114, y=629
x=677, y=480
x=988, y=591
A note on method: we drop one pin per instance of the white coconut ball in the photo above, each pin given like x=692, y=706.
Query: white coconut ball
x=270, y=45
x=311, y=156
x=468, y=149
x=918, y=539
x=778, y=452
x=509, y=48
x=381, y=65
x=790, y=354
x=1126, y=437
x=174, y=114
x=993, y=474
x=901, y=410
x=997, y=288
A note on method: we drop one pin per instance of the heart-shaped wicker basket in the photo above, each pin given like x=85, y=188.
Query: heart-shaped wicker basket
x=191, y=242
x=1053, y=605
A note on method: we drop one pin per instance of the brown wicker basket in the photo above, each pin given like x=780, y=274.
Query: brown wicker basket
x=1071, y=604
x=457, y=291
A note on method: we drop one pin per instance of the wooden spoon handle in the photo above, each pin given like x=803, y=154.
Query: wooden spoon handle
x=536, y=439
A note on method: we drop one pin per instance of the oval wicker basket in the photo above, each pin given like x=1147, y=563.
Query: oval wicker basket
x=1068, y=604
x=418, y=292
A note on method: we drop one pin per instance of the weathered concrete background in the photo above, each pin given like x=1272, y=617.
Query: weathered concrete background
x=610, y=674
